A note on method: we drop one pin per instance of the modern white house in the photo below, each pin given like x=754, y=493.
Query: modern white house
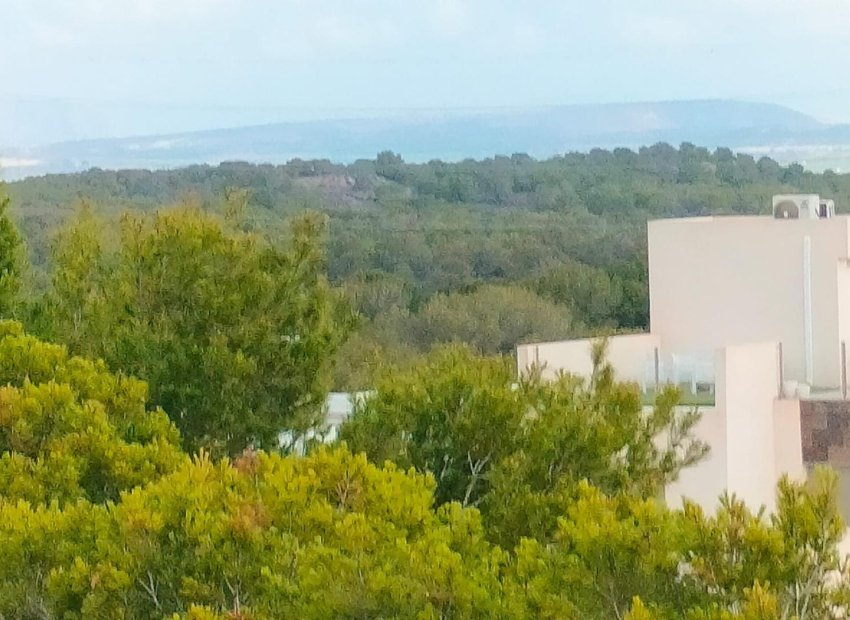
x=717, y=281
x=750, y=316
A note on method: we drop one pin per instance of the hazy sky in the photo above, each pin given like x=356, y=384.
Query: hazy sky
x=316, y=55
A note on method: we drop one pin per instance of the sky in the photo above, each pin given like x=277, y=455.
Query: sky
x=146, y=65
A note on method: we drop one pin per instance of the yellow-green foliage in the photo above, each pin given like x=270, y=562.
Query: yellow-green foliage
x=733, y=565
x=266, y=536
x=70, y=429
x=103, y=516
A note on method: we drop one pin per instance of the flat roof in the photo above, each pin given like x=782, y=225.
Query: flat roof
x=705, y=219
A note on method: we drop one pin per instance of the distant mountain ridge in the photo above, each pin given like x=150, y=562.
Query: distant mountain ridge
x=449, y=135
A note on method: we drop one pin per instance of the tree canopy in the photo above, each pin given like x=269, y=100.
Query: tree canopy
x=331, y=535
x=10, y=259
x=103, y=515
x=400, y=235
x=517, y=450
x=233, y=333
x=70, y=429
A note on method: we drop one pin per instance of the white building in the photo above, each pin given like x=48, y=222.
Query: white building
x=750, y=316
x=716, y=281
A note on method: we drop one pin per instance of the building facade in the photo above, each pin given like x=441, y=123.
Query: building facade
x=750, y=317
x=717, y=281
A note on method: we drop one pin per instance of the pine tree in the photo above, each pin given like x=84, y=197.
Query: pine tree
x=10, y=267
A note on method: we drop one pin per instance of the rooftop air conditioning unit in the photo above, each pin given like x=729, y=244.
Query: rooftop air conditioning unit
x=801, y=207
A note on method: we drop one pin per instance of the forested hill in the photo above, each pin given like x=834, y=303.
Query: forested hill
x=489, y=252
x=448, y=134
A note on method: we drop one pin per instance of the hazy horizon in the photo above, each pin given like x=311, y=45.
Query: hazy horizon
x=122, y=119
x=96, y=69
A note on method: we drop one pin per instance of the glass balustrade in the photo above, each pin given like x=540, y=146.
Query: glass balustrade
x=692, y=373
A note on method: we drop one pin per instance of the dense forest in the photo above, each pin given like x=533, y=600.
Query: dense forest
x=489, y=252
x=167, y=337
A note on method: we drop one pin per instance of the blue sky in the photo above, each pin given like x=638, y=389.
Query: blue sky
x=299, y=58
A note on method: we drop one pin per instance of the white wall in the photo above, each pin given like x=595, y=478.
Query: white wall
x=706, y=481
x=628, y=355
x=747, y=389
x=788, y=442
x=726, y=280
x=753, y=436
x=843, y=284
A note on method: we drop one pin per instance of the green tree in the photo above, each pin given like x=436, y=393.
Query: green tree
x=10, y=259
x=592, y=296
x=374, y=346
x=452, y=414
x=607, y=551
x=617, y=556
x=70, y=429
x=234, y=334
x=794, y=550
x=76, y=305
x=595, y=431
x=492, y=319
x=517, y=449
x=373, y=295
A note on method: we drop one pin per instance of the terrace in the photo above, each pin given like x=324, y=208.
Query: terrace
x=638, y=358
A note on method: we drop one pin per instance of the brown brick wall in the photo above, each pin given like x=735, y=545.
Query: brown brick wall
x=825, y=430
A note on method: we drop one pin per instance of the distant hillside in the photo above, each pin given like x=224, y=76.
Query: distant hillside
x=490, y=252
x=451, y=136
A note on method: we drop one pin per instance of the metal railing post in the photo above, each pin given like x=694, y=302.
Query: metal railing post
x=844, y=370
x=657, y=371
